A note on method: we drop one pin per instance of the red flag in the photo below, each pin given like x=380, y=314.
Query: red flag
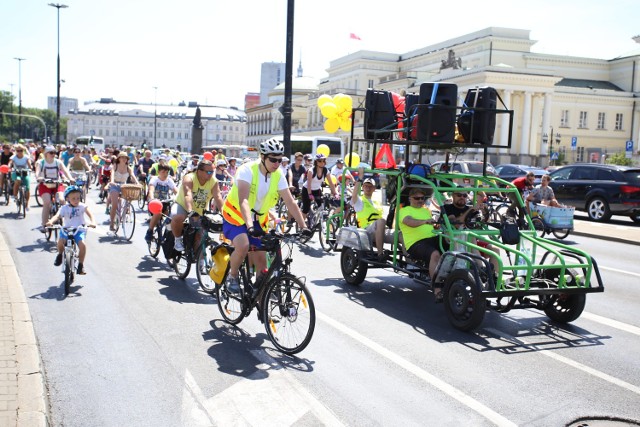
x=384, y=158
x=354, y=37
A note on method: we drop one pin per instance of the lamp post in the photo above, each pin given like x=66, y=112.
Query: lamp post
x=549, y=138
x=155, y=116
x=19, y=95
x=58, y=6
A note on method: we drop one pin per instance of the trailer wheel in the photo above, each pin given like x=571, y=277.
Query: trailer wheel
x=563, y=308
x=353, y=270
x=463, y=302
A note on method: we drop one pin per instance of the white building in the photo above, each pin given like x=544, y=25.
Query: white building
x=129, y=123
x=66, y=104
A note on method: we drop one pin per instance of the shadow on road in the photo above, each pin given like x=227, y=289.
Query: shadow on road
x=56, y=292
x=184, y=291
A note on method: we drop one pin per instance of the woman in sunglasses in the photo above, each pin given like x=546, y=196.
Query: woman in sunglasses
x=312, y=187
x=420, y=240
x=122, y=173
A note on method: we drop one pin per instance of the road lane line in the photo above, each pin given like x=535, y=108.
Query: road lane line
x=620, y=271
x=567, y=361
x=434, y=381
x=612, y=323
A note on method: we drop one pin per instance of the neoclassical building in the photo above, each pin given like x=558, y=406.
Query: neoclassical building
x=586, y=103
x=132, y=124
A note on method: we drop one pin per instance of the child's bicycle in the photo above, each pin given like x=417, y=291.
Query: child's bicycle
x=157, y=237
x=70, y=256
x=283, y=301
x=21, y=199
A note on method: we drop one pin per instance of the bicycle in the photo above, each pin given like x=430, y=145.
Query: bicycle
x=157, y=237
x=284, y=303
x=6, y=188
x=142, y=199
x=70, y=256
x=55, y=205
x=125, y=218
x=322, y=219
x=21, y=198
x=82, y=181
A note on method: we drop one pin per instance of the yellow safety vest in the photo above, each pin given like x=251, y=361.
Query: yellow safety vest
x=201, y=194
x=371, y=211
x=231, y=208
x=413, y=234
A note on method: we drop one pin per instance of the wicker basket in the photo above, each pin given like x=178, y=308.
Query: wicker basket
x=130, y=192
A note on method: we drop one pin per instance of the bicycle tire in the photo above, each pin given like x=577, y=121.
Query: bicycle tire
x=539, y=226
x=142, y=199
x=19, y=202
x=204, y=262
x=328, y=237
x=154, y=244
x=311, y=225
x=25, y=202
x=231, y=306
x=283, y=214
x=37, y=195
x=181, y=265
x=128, y=223
x=68, y=272
x=289, y=314
x=6, y=190
x=561, y=233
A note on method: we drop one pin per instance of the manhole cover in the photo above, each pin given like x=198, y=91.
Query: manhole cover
x=603, y=422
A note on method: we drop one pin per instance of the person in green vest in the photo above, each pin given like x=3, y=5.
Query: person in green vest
x=420, y=239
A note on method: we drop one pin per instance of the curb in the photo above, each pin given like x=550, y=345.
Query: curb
x=605, y=237
x=32, y=407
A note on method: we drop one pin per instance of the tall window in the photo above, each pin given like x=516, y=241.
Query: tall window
x=564, y=119
x=370, y=83
x=619, y=121
x=583, y=119
x=580, y=154
x=601, y=119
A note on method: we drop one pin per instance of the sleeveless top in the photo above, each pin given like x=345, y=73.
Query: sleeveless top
x=201, y=194
x=76, y=165
x=50, y=170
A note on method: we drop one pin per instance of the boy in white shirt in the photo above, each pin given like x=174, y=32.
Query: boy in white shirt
x=160, y=187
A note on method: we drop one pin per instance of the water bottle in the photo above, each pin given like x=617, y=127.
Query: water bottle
x=523, y=262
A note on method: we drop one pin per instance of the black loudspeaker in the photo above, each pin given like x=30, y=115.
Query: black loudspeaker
x=437, y=124
x=410, y=113
x=380, y=114
x=484, y=122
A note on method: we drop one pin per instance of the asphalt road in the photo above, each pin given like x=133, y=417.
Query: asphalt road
x=133, y=345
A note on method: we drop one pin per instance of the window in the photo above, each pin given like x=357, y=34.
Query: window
x=136, y=134
x=172, y=135
x=601, y=120
x=122, y=133
x=618, y=121
x=165, y=134
x=605, y=175
x=564, y=119
x=580, y=154
x=370, y=83
x=583, y=120
x=129, y=133
x=584, y=173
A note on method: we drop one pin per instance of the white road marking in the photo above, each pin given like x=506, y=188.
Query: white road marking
x=434, y=381
x=612, y=323
x=616, y=270
x=271, y=396
x=567, y=361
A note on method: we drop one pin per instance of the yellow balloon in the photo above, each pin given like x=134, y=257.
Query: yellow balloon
x=337, y=97
x=345, y=125
x=345, y=115
x=173, y=163
x=352, y=160
x=345, y=103
x=323, y=149
x=95, y=158
x=323, y=99
x=331, y=125
x=333, y=179
x=329, y=110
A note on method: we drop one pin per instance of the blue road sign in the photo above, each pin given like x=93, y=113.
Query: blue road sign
x=574, y=142
x=555, y=155
x=629, y=146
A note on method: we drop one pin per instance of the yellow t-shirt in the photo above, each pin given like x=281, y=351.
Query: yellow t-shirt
x=413, y=234
x=201, y=194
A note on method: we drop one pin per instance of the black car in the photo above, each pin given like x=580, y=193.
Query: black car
x=509, y=172
x=600, y=190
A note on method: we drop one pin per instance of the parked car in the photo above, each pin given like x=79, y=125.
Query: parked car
x=375, y=176
x=509, y=172
x=464, y=166
x=599, y=190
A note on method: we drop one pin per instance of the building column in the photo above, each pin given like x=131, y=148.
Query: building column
x=546, y=123
x=504, y=126
x=526, y=125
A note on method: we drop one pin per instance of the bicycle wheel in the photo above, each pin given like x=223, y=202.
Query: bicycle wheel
x=539, y=227
x=283, y=214
x=311, y=225
x=37, y=196
x=182, y=265
x=25, y=201
x=231, y=306
x=289, y=313
x=154, y=244
x=128, y=221
x=561, y=233
x=204, y=262
x=6, y=190
x=329, y=232
x=142, y=199
x=68, y=271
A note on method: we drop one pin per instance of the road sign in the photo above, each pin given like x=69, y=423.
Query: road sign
x=628, y=151
x=574, y=143
x=92, y=132
x=555, y=155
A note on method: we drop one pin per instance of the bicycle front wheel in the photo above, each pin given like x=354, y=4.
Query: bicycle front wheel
x=154, y=243
x=182, y=265
x=328, y=233
x=231, y=305
x=142, y=199
x=68, y=271
x=289, y=313
x=204, y=262
x=128, y=221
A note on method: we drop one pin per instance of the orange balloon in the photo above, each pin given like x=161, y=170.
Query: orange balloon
x=155, y=206
x=207, y=155
x=4, y=169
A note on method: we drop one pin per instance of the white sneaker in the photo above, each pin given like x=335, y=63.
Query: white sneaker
x=41, y=229
x=178, y=245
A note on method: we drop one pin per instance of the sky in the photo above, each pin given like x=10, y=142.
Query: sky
x=210, y=51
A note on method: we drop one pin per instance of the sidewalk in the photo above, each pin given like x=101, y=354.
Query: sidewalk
x=23, y=399
x=22, y=390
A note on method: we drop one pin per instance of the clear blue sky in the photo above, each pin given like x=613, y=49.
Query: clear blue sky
x=121, y=49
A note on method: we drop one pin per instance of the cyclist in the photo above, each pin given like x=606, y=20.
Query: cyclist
x=221, y=172
x=78, y=164
x=105, y=174
x=162, y=160
x=312, y=187
x=144, y=165
x=20, y=161
x=66, y=155
x=5, y=156
x=232, y=168
x=160, y=188
x=338, y=170
x=191, y=166
x=369, y=213
x=122, y=173
x=195, y=193
x=50, y=168
x=297, y=172
x=256, y=189
x=524, y=184
x=72, y=215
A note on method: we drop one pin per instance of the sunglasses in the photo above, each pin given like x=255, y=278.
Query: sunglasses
x=275, y=159
x=462, y=195
x=19, y=151
x=418, y=199
x=206, y=171
x=322, y=161
x=77, y=152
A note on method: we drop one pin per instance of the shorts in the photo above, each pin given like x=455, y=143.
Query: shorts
x=231, y=231
x=422, y=249
x=178, y=210
x=78, y=236
x=26, y=180
x=115, y=188
x=371, y=233
x=43, y=189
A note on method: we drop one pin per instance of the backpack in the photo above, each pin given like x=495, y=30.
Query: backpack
x=168, y=240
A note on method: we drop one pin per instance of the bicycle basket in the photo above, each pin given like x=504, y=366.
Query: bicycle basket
x=212, y=222
x=130, y=191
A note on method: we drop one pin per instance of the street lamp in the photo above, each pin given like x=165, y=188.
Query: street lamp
x=155, y=116
x=58, y=6
x=19, y=95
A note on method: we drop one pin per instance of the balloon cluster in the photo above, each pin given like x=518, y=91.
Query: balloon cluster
x=337, y=111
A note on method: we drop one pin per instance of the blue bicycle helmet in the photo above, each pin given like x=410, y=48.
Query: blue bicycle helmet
x=70, y=189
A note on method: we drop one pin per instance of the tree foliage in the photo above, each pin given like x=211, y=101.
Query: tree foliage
x=619, y=159
x=31, y=128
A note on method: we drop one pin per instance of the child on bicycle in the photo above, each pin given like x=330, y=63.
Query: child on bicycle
x=160, y=187
x=72, y=215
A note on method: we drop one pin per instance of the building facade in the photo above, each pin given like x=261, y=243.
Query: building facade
x=587, y=104
x=155, y=126
x=66, y=104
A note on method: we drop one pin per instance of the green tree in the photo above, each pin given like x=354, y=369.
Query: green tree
x=7, y=123
x=619, y=159
x=31, y=128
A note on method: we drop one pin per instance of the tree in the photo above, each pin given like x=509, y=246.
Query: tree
x=619, y=158
x=31, y=128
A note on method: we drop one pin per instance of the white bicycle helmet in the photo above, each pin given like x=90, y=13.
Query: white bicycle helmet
x=271, y=146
